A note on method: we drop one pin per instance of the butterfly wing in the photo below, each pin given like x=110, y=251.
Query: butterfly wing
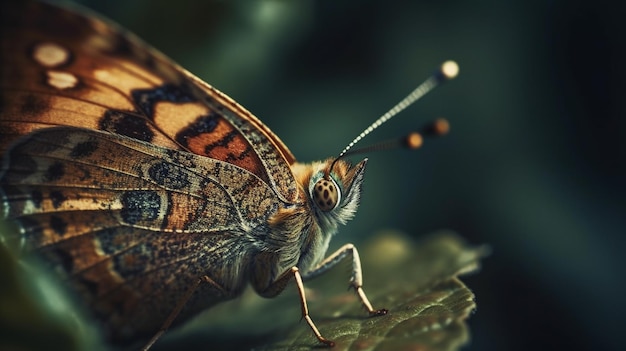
x=133, y=234
x=130, y=176
x=64, y=68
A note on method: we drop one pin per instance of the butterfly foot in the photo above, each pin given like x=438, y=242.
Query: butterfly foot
x=325, y=342
x=380, y=312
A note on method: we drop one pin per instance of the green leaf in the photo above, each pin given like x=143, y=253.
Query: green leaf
x=27, y=320
x=417, y=282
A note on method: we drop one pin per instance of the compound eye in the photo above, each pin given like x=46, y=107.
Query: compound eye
x=326, y=194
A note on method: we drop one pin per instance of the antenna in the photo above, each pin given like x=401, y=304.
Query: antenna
x=412, y=140
x=448, y=70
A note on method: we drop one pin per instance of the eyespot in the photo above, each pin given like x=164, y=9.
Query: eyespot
x=326, y=194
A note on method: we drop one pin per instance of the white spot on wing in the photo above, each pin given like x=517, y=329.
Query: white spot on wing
x=50, y=54
x=62, y=80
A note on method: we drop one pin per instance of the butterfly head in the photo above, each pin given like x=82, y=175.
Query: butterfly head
x=334, y=190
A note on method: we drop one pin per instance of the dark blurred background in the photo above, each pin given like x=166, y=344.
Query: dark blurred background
x=535, y=164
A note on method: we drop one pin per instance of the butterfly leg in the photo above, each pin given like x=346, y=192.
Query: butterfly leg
x=356, y=280
x=279, y=285
x=172, y=316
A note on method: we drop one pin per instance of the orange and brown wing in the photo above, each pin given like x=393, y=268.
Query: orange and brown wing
x=60, y=67
x=131, y=235
x=95, y=129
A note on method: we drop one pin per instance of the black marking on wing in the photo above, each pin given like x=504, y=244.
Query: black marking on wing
x=146, y=99
x=169, y=176
x=127, y=124
x=203, y=124
x=140, y=205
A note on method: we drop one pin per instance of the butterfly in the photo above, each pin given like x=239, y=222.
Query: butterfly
x=152, y=195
